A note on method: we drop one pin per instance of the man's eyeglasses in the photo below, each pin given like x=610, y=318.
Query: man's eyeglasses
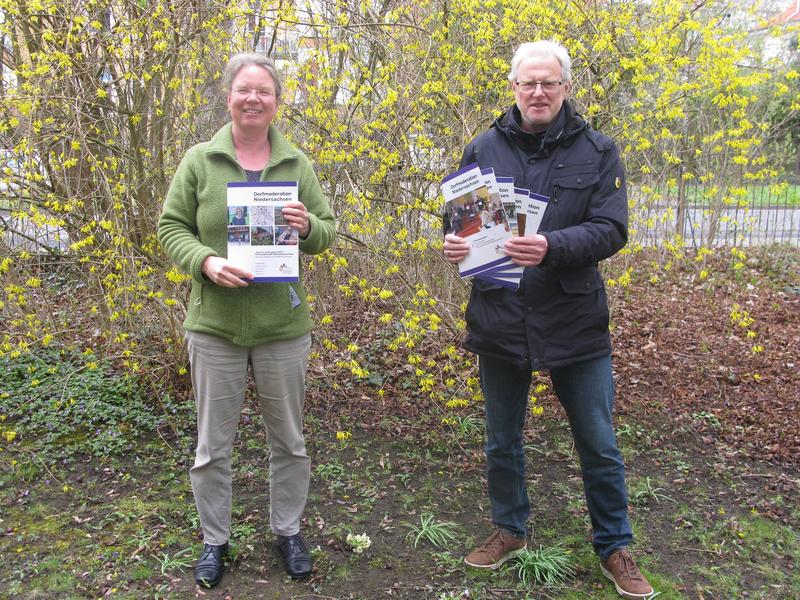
x=547, y=86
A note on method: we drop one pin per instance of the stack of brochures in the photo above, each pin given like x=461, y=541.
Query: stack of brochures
x=486, y=211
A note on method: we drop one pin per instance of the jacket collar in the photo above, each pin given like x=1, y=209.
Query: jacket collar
x=562, y=131
x=280, y=148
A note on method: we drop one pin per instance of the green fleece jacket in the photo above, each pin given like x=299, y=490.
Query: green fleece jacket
x=193, y=226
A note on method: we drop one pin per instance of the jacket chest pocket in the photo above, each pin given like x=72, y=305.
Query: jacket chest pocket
x=570, y=195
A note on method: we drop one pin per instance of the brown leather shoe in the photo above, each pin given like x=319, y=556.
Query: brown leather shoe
x=630, y=583
x=497, y=549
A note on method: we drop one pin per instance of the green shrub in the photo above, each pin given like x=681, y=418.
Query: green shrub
x=60, y=401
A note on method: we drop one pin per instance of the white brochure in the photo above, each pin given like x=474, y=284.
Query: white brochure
x=259, y=239
x=505, y=186
x=534, y=212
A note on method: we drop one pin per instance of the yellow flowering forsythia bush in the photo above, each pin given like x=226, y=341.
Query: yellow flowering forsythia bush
x=106, y=97
x=104, y=100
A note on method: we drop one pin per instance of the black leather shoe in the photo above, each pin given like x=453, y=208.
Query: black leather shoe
x=208, y=570
x=295, y=555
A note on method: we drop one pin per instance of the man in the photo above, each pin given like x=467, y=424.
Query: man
x=559, y=318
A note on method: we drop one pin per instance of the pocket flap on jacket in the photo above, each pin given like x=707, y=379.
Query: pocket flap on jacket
x=580, y=281
x=576, y=181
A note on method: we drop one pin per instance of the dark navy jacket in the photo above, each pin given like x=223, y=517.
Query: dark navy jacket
x=559, y=315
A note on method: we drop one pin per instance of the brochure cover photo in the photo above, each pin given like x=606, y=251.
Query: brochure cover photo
x=259, y=239
x=475, y=212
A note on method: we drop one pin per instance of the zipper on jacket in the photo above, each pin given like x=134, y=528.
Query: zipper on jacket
x=555, y=194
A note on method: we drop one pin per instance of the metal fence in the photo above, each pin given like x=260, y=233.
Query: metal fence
x=764, y=217
x=23, y=234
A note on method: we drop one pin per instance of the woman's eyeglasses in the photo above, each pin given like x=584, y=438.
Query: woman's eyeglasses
x=245, y=92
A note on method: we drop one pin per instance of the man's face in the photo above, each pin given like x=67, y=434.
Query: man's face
x=539, y=106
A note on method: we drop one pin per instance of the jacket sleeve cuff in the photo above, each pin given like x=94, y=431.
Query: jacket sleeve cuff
x=546, y=260
x=197, y=265
x=312, y=243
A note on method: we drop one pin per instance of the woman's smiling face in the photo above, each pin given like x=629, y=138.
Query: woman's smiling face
x=252, y=101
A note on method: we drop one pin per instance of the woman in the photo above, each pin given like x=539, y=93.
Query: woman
x=238, y=217
x=232, y=324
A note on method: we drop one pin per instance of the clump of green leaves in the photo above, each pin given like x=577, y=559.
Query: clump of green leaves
x=467, y=427
x=63, y=401
x=436, y=533
x=645, y=490
x=551, y=565
x=330, y=471
x=179, y=560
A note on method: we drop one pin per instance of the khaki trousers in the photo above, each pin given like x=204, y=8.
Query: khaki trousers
x=219, y=376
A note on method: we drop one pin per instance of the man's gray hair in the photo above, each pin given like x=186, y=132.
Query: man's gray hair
x=543, y=49
x=246, y=59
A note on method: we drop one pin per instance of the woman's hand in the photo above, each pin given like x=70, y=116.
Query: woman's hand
x=224, y=273
x=526, y=251
x=455, y=248
x=296, y=215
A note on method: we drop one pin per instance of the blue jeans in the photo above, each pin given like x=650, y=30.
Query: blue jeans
x=586, y=391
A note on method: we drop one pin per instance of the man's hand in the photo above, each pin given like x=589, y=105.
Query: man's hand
x=296, y=215
x=224, y=273
x=455, y=248
x=526, y=251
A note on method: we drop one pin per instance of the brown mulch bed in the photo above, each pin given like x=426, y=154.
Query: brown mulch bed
x=680, y=352
x=681, y=356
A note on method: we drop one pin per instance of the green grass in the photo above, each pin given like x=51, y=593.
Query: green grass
x=755, y=195
x=644, y=491
x=732, y=540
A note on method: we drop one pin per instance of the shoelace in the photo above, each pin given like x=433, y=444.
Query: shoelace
x=629, y=567
x=495, y=541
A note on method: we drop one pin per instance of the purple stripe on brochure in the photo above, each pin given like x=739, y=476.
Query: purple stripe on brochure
x=274, y=279
x=504, y=270
x=511, y=266
x=539, y=197
x=505, y=179
x=262, y=184
x=460, y=172
x=485, y=267
x=487, y=171
x=522, y=191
